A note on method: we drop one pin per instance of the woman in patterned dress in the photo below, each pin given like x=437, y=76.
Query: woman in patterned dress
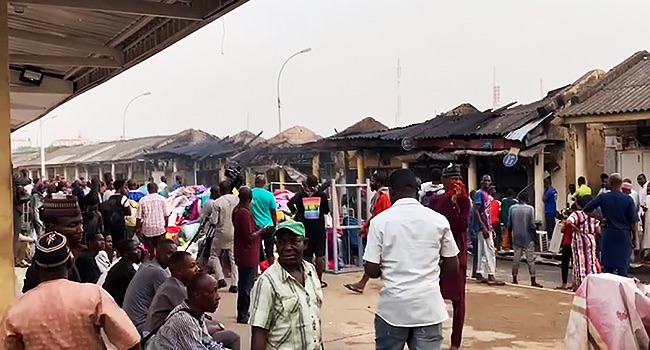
x=583, y=243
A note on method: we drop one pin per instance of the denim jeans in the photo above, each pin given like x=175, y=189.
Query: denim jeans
x=389, y=337
x=244, y=287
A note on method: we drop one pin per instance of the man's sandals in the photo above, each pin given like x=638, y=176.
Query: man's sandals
x=354, y=288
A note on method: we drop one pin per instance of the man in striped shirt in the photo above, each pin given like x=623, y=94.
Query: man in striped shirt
x=287, y=297
x=185, y=326
x=152, y=217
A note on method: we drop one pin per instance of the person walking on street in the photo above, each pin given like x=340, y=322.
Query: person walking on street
x=550, y=207
x=223, y=241
x=455, y=205
x=247, y=251
x=264, y=208
x=506, y=204
x=486, y=252
x=522, y=224
x=379, y=202
x=408, y=246
x=620, y=221
x=310, y=207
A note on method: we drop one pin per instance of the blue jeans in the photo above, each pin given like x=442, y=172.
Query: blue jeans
x=389, y=337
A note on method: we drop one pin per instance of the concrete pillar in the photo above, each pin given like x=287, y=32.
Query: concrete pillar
x=580, y=146
x=30, y=174
x=101, y=173
x=7, y=273
x=472, y=177
x=250, y=177
x=283, y=178
x=65, y=173
x=174, y=167
x=76, y=173
x=129, y=171
x=361, y=168
x=315, y=165
x=539, y=186
x=196, y=175
x=222, y=172
x=86, y=173
x=113, y=171
x=405, y=165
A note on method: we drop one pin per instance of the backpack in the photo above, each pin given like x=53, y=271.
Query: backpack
x=112, y=211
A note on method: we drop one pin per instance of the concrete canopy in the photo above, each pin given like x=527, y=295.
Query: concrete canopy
x=78, y=45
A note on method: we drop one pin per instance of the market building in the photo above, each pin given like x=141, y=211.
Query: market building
x=202, y=162
x=610, y=123
x=123, y=159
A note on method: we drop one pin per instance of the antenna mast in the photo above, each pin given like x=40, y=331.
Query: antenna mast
x=398, y=114
x=496, y=90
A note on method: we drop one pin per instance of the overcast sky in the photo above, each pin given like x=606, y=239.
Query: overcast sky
x=447, y=51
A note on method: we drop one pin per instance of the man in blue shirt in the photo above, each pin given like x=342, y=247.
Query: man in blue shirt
x=264, y=208
x=550, y=207
x=619, y=219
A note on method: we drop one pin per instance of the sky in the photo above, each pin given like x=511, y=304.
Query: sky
x=225, y=82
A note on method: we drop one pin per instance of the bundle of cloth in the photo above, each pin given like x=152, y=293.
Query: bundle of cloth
x=282, y=198
x=609, y=312
x=184, y=206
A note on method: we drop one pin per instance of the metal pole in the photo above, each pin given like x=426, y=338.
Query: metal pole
x=279, y=76
x=126, y=109
x=40, y=136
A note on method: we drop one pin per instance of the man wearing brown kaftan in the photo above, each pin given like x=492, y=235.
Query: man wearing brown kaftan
x=455, y=205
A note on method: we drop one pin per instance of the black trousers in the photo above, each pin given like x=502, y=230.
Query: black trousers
x=550, y=225
x=244, y=287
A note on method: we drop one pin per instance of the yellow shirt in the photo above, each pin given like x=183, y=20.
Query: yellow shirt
x=583, y=190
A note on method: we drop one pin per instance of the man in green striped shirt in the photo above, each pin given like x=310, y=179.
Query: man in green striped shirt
x=287, y=297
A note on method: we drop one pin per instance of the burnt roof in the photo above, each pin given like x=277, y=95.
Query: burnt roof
x=365, y=125
x=454, y=124
x=624, y=89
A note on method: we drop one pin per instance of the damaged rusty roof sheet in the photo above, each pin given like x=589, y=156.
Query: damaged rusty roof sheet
x=487, y=123
x=624, y=89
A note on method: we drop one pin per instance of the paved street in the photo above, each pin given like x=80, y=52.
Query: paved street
x=500, y=318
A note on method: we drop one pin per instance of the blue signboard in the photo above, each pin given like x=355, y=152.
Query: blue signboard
x=510, y=160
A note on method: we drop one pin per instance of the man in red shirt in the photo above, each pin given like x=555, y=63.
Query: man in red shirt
x=455, y=205
x=380, y=202
x=246, y=250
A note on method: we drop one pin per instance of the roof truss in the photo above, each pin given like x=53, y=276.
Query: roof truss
x=188, y=11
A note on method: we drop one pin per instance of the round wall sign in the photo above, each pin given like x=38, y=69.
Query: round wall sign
x=407, y=144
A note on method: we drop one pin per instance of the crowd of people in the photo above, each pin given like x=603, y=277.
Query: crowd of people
x=144, y=292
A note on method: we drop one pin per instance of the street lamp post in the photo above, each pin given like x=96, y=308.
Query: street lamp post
x=279, y=76
x=126, y=109
x=40, y=136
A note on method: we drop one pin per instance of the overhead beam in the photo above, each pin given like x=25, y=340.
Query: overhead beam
x=25, y=107
x=65, y=42
x=49, y=85
x=128, y=7
x=42, y=60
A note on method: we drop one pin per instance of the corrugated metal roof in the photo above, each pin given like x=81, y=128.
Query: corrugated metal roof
x=449, y=125
x=80, y=44
x=112, y=151
x=199, y=151
x=624, y=89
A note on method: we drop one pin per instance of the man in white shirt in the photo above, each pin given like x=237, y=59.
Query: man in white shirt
x=405, y=246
